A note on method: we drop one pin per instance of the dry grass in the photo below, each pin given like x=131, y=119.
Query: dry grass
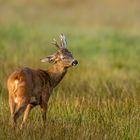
x=99, y=99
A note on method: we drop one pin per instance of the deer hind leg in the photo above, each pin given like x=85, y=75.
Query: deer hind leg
x=26, y=114
x=12, y=105
x=20, y=109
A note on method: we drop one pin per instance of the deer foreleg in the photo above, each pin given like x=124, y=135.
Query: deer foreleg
x=44, y=107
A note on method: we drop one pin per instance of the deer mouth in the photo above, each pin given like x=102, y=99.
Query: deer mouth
x=74, y=63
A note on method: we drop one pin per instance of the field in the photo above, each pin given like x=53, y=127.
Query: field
x=97, y=100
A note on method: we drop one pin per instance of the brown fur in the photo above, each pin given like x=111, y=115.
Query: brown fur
x=28, y=87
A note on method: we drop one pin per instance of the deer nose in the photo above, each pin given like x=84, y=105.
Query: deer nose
x=74, y=63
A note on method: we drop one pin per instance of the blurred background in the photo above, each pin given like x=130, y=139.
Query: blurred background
x=100, y=97
x=104, y=33
x=81, y=13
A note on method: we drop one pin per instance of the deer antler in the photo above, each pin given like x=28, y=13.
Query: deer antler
x=55, y=43
x=63, y=41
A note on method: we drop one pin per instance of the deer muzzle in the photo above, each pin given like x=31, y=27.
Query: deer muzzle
x=74, y=62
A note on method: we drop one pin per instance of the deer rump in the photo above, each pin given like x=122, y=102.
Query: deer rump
x=29, y=85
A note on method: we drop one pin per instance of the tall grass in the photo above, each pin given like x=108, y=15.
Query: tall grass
x=98, y=99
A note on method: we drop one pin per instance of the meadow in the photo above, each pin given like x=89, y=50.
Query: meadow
x=97, y=100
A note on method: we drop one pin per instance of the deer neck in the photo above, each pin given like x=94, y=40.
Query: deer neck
x=56, y=73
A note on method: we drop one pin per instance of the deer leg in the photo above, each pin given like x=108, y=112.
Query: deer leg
x=44, y=107
x=21, y=108
x=12, y=109
x=26, y=114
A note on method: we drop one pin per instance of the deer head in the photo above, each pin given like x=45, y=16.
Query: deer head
x=63, y=55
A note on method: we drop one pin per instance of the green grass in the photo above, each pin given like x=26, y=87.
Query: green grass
x=100, y=98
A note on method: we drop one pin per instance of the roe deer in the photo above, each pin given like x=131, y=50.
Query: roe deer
x=28, y=87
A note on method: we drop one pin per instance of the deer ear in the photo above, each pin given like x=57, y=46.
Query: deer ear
x=50, y=59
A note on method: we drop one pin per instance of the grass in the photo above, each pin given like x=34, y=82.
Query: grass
x=99, y=99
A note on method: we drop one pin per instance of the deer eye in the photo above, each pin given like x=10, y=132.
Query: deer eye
x=64, y=57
